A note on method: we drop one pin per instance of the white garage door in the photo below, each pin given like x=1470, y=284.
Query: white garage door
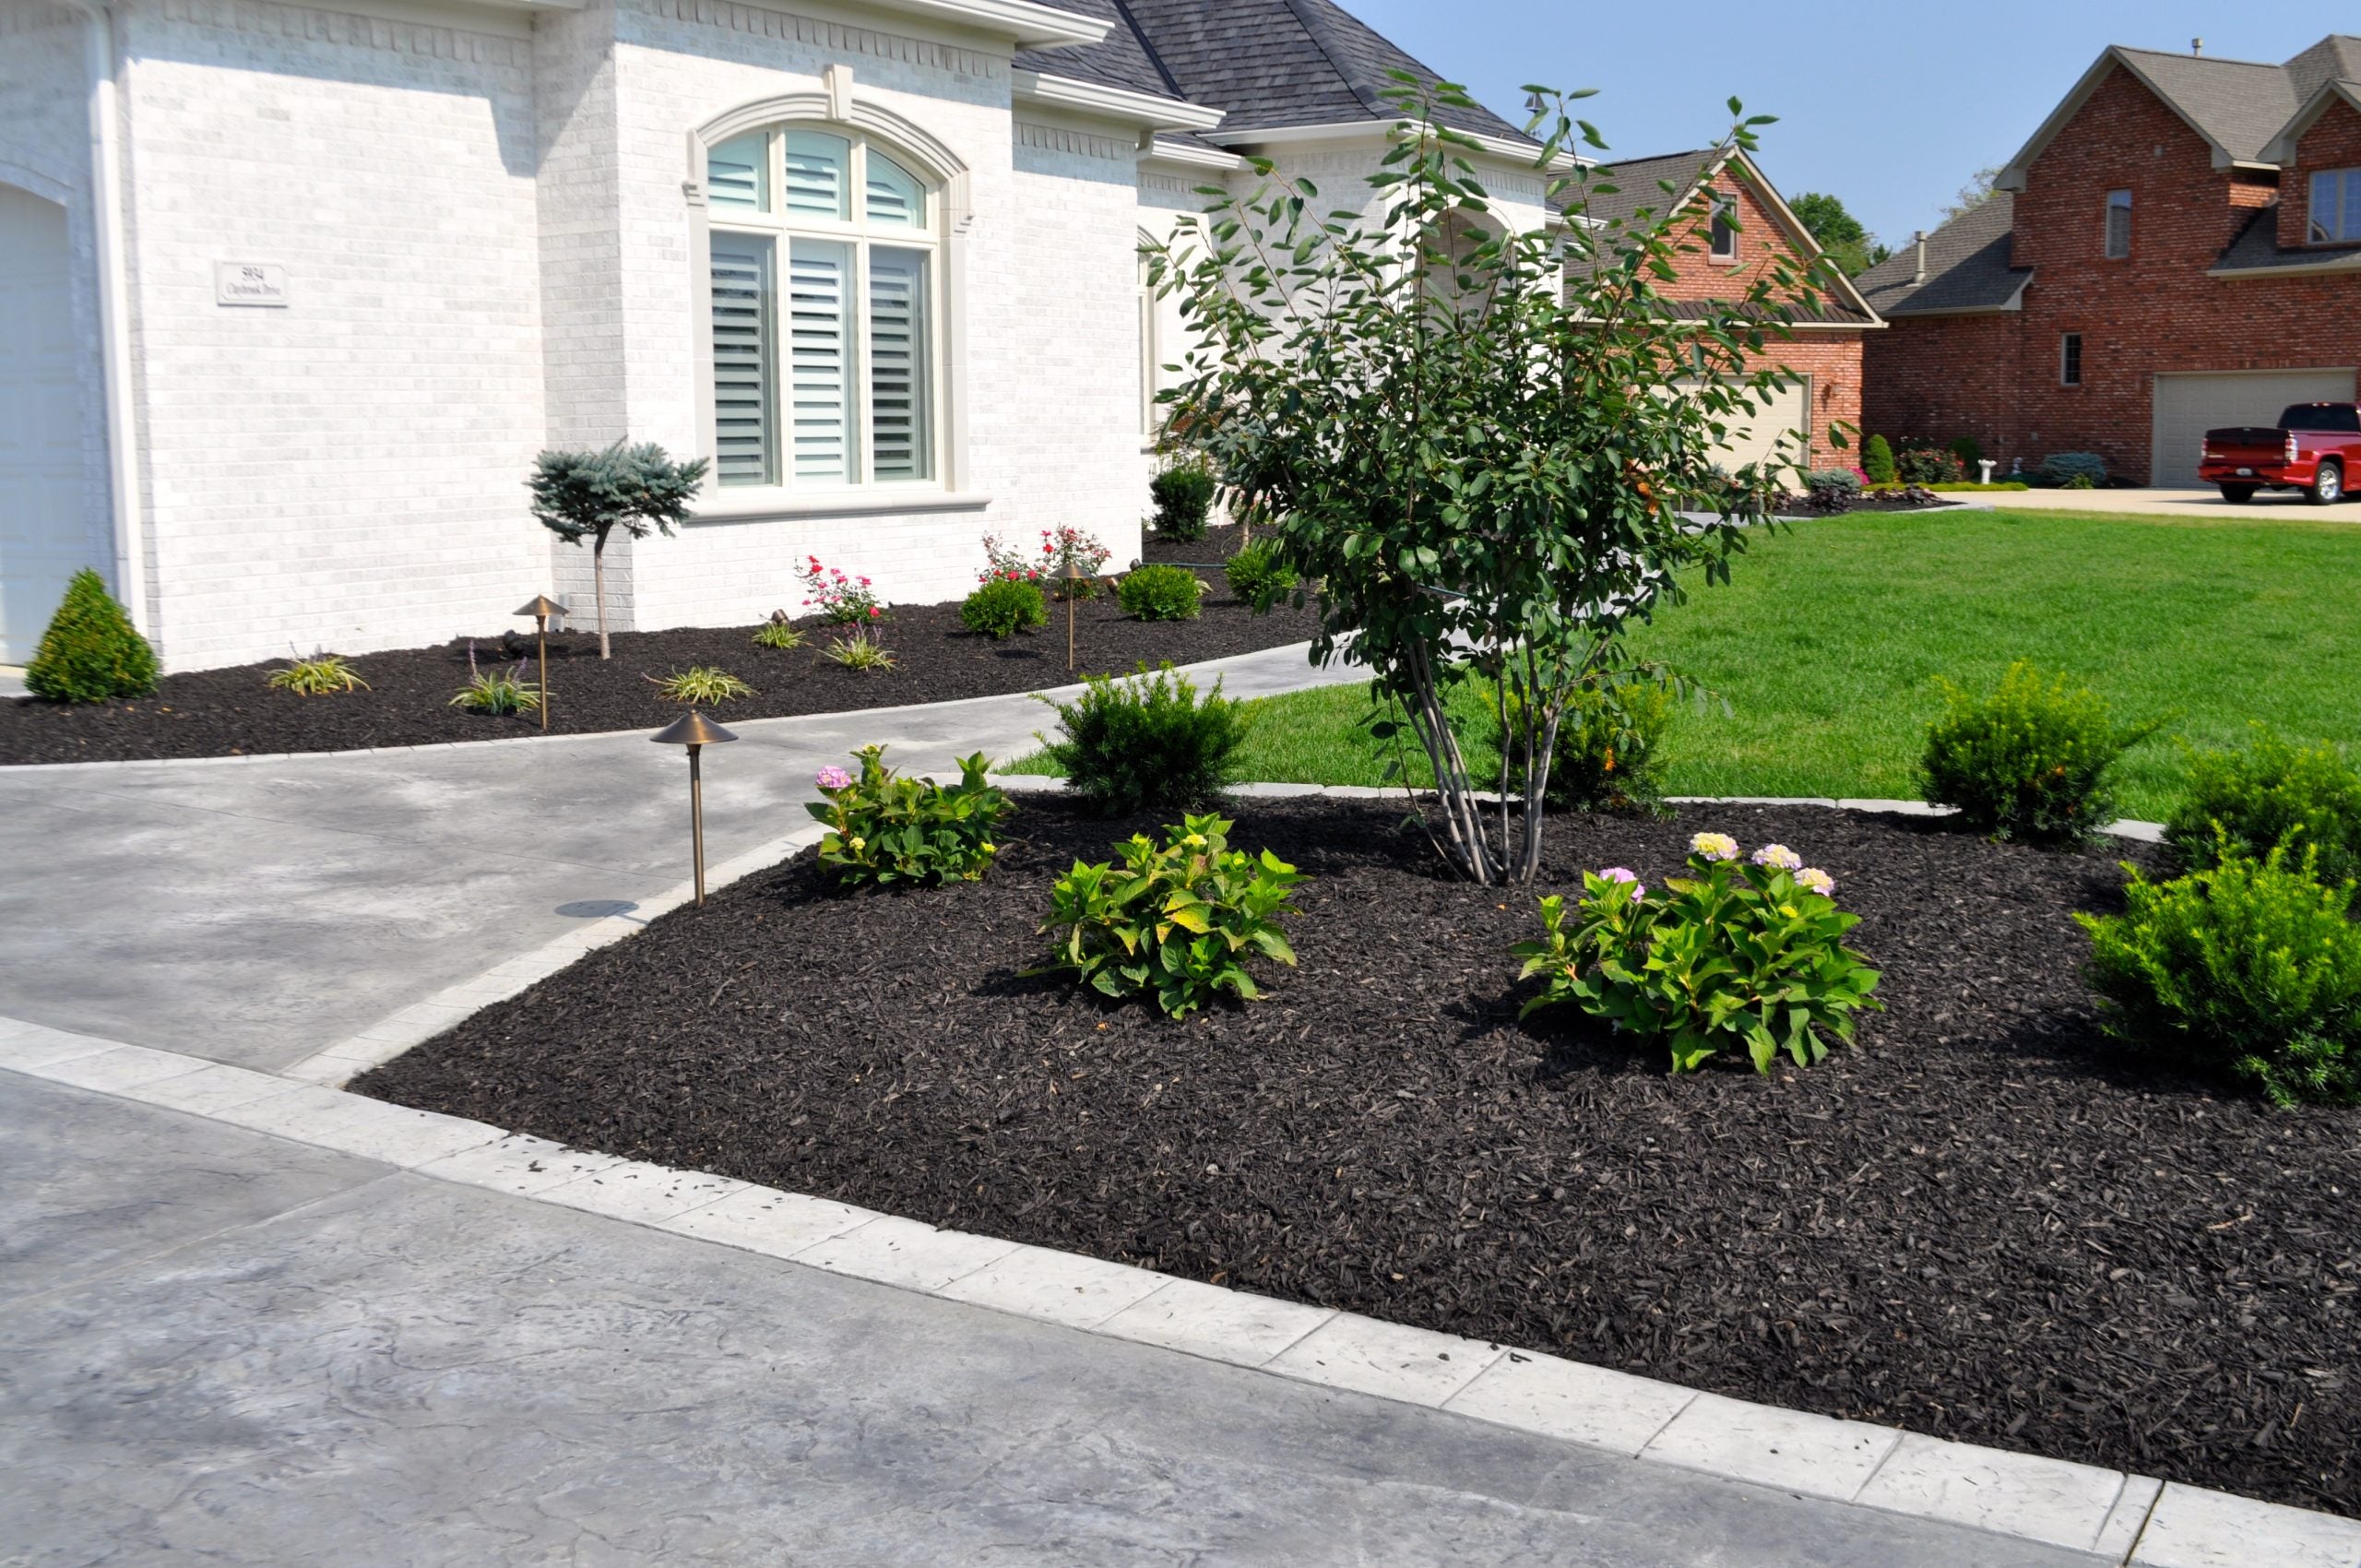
x=1779, y=428
x=2189, y=406
x=44, y=523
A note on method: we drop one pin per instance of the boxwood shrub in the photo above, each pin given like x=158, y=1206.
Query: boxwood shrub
x=1145, y=739
x=2268, y=794
x=1004, y=607
x=90, y=652
x=1161, y=593
x=2029, y=761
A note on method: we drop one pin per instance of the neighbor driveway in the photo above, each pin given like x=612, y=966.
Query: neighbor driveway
x=2205, y=503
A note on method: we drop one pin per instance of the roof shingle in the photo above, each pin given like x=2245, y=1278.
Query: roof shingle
x=1967, y=267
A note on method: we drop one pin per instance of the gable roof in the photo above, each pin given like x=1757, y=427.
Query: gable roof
x=1968, y=267
x=1268, y=65
x=2238, y=107
x=2256, y=253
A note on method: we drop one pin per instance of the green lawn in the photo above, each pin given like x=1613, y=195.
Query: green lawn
x=1827, y=644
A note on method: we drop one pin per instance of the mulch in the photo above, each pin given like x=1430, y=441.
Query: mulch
x=231, y=712
x=1986, y=1222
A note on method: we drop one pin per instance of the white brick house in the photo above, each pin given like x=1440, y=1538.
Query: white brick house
x=292, y=295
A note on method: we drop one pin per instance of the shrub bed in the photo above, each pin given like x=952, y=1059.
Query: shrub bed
x=1985, y=1221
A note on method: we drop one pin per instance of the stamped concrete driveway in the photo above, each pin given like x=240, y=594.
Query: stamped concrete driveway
x=2268, y=506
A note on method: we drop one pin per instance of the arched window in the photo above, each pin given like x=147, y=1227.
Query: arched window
x=824, y=248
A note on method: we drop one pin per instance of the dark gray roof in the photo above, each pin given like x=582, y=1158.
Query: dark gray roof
x=1265, y=63
x=1967, y=267
x=2257, y=248
x=2238, y=104
x=2333, y=59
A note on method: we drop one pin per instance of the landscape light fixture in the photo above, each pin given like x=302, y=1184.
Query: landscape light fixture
x=695, y=731
x=1075, y=577
x=541, y=610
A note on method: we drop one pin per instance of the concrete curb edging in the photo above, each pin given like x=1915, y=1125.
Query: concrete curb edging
x=2126, y=1519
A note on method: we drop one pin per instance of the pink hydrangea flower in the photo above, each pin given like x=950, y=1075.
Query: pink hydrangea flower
x=833, y=778
x=1814, y=880
x=1625, y=874
x=1778, y=857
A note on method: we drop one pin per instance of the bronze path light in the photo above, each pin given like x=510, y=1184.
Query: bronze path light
x=695, y=731
x=1073, y=576
x=541, y=610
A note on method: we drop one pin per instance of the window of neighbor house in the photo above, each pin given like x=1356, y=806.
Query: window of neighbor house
x=2118, y=225
x=1724, y=229
x=825, y=281
x=2069, y=360
x=2336, y=206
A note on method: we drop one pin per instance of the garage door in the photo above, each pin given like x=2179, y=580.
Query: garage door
x=2189, y=406
x=43, y=524
x=1779, y=428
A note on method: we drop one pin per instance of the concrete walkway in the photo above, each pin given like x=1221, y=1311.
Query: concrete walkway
x=2268, y=506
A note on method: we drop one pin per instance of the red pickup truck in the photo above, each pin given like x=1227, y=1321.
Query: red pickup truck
x=2315, y=448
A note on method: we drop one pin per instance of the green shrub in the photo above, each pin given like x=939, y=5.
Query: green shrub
x=1160, y=593
x=884, y=828
x=1258, y=578
x=318, y=676
x=90, y=652
x=2249, y=968
x=2065, y=469
x=702, y=683
x=1004, y=607
x=1185, y=499
x=1877, y=461
x=2029, y=761
x=1609, y=755
x=1176, y=924
x=1926, y=465
x=778, y=634
x=1969, y=451
x=1145, y=740
x=1736, y=956
x=2271, y=794
x=498, y=692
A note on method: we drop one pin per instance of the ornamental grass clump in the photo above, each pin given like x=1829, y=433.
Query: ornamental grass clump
x=321, y=675
x=497, y=692
x=2270, y=794
x=1145, y=740
x=1160, y=593
x=778, y=634
x=1258, y=576
x=2249, y=970
x=2029, y=761
x=883, y=828
x=90, y=652
x=702, y=683
x=1002, y=607
x=862, y=651
x=1747, y=952
x=1177, y=923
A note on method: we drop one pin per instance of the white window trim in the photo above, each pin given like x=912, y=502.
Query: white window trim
x=1717, y=203
x=838, y=109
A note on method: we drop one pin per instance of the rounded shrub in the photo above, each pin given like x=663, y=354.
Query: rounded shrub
x=90, y=652
x=1877, y=461
x=2271, y=794
x=2028, y=761
x=2074, y=470
x=1609, y=755
x=1258, y=578
x=1004, y=607
x=1145, y=739
x=1161, y=593
x=1185, y=499
x=2250, y=969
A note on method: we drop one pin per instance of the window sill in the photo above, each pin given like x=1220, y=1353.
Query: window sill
x=750, y=504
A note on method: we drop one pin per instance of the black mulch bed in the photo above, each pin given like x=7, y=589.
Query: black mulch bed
x=1984, y=1223
x=1798, y=508
x=223, y=712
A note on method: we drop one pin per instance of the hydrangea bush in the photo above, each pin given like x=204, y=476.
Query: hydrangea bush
x=1746, y=953
x=883, y=828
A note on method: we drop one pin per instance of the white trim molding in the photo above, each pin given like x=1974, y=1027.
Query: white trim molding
x=1114, y=103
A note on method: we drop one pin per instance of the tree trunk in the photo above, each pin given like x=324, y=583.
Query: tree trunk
x=599, y=589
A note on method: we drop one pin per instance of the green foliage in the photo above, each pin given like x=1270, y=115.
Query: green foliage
x=1004, y=607
x=859, y=650
x=778, y=634
x=1969, y=451
x=318, y=676
x=884, y=828
x=2065, y=469
x=90, y=652
x=1145, y=739
x=1929, y=465
x=1160, y=593
x=1177, y=924
x=2251, y=968
x=1480, y=439
x=580, y=495
x=1609, y=755
x=702, y=683
x=1852, y=247
x=2270, y=794
x=1183, y=494
x=2028, y=761
x=1877, y=461
x=1733, y=956
x=499, y=693
x=1259, y=576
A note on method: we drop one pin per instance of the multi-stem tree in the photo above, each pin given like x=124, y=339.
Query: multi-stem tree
x=1493, y=448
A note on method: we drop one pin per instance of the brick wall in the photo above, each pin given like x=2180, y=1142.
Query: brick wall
x=2333, y=142
x=1996, y=377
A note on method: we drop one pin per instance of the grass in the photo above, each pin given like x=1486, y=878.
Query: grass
x=1827, y=644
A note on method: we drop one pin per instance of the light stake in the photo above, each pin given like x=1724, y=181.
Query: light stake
x=1074, y=577
x=695, y=731
x=541, y=610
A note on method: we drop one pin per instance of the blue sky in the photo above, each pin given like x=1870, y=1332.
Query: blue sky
x=1890, y=106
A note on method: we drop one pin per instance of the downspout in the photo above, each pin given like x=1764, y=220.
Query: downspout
x=114, y=314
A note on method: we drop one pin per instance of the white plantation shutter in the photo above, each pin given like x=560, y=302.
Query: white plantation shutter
x=895, y=197
x=820, y=355
x=900, y=442
x=737, y=173
x=744, y=348
x=819, y=176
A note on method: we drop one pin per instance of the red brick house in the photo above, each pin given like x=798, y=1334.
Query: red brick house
x=2177, y=247
x=1721, y=183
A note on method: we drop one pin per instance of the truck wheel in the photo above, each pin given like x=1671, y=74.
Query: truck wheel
x=2328, y=488
x=2240, y=495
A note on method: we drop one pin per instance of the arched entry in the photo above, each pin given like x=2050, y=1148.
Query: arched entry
x=44, y=523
